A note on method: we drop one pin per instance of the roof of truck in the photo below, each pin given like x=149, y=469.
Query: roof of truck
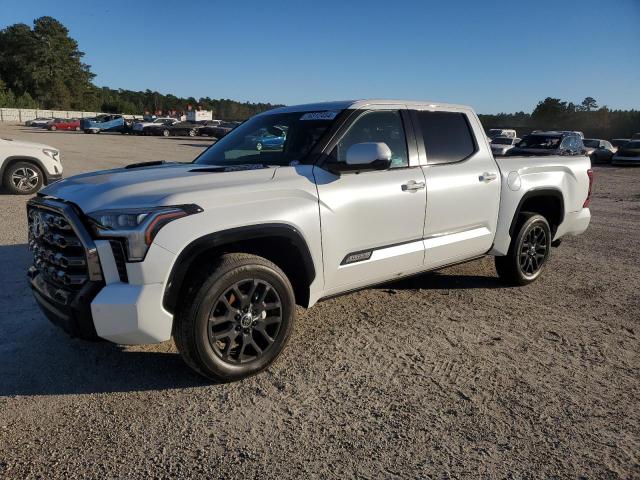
x=343, y=104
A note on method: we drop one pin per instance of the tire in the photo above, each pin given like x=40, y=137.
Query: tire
x=15, y=178
x=77, y=129
x=528, y=253
x=259, y=146
x=53, y=128
x=166, y=133
x=226, y=344
x=192, y=133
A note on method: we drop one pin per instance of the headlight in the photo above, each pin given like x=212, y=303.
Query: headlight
x=137, y=226
x=52, y=154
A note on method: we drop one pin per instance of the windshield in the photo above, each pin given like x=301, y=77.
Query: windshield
x=591, y=143
x=539, y=141
x=270, y=139
x=502, y=141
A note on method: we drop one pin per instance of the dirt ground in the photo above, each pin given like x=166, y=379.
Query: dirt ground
x=446, y=375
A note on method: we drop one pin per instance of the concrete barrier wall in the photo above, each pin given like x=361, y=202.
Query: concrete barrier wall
x=21, y=115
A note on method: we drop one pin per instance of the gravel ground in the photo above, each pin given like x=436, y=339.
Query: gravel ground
x=446, y=375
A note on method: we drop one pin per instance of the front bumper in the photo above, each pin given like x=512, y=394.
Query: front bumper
x=103, y=306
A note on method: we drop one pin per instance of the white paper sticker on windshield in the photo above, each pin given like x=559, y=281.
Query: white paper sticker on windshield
x=319, y=116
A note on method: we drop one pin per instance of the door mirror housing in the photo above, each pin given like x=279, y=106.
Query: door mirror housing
x=363, y=157
x=367, y=153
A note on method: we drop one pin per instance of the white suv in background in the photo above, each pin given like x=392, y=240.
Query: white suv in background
x=25, y=166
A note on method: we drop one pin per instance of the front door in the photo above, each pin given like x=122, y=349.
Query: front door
x=372, y=222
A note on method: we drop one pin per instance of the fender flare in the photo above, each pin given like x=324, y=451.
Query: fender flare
x=200, y=245
x=25, y=158
x=533, y=193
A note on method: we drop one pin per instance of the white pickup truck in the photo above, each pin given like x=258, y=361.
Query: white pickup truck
x=219, y=251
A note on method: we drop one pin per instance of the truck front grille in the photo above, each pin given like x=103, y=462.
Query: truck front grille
x=63, y=251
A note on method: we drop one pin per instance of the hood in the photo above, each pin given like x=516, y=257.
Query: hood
x=22, y=144
x=153, y=185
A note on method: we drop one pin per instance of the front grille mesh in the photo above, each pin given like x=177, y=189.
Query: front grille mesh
x=57, y=252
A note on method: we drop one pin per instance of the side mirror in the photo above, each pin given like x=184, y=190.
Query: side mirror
x=362, y=157
x=368, y=153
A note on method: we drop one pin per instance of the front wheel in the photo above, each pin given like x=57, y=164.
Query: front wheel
x=166, y=133
x=528, y=253
x=236, y=317
x=192, y=133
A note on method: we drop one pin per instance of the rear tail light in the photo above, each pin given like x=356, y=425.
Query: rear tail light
x=590, y=192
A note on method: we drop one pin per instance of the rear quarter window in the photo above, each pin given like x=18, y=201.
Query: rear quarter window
x=447, y=136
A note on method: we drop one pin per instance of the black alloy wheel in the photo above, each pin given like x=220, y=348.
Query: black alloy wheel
x=235, y=317
x=245, y=321
x=529, y=251
x=533, y=251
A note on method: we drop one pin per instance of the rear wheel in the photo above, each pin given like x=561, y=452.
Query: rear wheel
x=528, y=253
x=192, y=133
x=166, y=132
x=236, y=317
x=23, y=178
x=53, y=127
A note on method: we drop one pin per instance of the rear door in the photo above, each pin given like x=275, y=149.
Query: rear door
x=463, y=186
x=372, y=221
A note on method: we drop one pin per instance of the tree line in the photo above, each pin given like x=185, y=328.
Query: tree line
x=42, y=67
x=555, y=114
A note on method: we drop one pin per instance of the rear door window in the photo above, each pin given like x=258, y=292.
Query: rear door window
x=447, y=136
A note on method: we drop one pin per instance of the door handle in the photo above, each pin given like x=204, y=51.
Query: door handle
x=487, y=177
x=412, y=186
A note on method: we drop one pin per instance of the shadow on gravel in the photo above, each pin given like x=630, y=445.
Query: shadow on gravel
x=37, y=358
x=444, y=281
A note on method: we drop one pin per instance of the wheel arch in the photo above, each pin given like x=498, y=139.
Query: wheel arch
x=24, y=158
x=548, y=202
x=266, y=240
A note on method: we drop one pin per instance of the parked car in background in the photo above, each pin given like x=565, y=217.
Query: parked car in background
x=501, y=145
x=64, y=124
x=38, y=122
x=27, y=166
x=619, y=142
x=501, y=132
x=549, y=143
x=209, y=123
x=627, y=154
x=271, y=138
x=218, y=131
x=102, y=123
x=600, y=151
x=177, y=128
x=139, y=127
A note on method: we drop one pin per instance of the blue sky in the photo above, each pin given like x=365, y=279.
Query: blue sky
x=494, y=55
